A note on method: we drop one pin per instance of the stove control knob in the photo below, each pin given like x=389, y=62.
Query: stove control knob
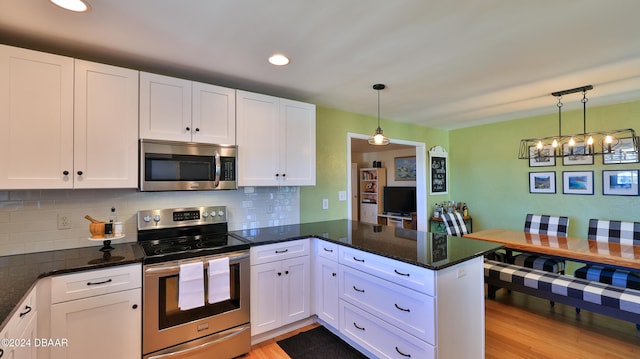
x=147, y=218
x=205, y=214
x=213, y=214
x=220, y=213
x=156, y=218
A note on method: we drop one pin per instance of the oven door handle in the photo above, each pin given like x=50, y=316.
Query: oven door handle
x=174, y=269
x=179, y=353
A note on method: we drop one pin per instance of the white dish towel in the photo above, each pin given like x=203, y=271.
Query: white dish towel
x=219, y=282
x=191, y=286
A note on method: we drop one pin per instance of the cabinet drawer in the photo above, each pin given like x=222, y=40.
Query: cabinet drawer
x=279, y=251
x=379, y=337
x=327, y=250
x=95, y=282
x=405, y=274
x=410, y=311
x=22, y=315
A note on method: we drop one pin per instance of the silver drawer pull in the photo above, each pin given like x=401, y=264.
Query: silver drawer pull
x=103, y=282
x=285, y=251
x=358, y=290
x=356, y=325
x=328, y=250
x=358, y=260
x=400, y=273
x=403, y=354
x=402, y=309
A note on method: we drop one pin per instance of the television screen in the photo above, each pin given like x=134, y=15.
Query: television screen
x=399, y=200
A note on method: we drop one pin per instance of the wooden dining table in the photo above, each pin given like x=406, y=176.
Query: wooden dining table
x=572, y=248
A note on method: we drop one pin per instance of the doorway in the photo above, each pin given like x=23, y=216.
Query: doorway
x=356, y=147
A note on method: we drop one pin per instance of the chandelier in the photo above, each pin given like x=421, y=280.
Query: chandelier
x=621, y=143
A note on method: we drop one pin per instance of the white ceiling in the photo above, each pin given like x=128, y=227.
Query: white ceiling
x=446, y=64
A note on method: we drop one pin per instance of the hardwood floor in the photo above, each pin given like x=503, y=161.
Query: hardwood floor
x=521, y=326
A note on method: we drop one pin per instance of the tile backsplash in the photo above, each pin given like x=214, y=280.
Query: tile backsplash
x=29, y=218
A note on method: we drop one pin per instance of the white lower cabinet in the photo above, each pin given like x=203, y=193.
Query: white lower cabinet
x=393, y=309
x=280, y=285
x=101, y=320
x=326, y=293
x=20, y=333
x=380, y=337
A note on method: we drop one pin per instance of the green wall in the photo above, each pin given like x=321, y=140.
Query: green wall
x=486, y=173
x=332, y=169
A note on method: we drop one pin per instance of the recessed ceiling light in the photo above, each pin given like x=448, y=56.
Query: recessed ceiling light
x=72, y=5
x=279, y=60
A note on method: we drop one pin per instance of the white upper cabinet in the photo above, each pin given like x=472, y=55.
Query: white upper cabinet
x=36, y=119
x=105, y=126
x=58, y=136
x=181, y=110
x=276, y=141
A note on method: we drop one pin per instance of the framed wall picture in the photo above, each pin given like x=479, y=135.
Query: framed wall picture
x=542, y=182
x=439, y=167
x=405, y=168
x=620, y=183
x=577, y=182
x=576, y=155
x=543, y=158
x=621, y=152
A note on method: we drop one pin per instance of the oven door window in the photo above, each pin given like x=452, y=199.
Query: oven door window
x=160, y=167
x=170, y=315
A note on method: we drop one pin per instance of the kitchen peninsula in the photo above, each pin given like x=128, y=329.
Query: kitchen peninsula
x=385, y=290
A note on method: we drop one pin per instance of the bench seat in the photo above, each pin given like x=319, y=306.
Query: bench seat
x=618, y=302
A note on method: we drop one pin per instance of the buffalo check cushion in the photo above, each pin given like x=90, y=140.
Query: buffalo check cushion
x=614, y=276
x=544, y=224
x=624, y=299
x=540, y=262
x=454, y=223
x=614, y=231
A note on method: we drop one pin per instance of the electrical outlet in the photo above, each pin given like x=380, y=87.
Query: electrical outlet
x=342, y=195
x=462, y=271
x=64, y=221
x=325, y=203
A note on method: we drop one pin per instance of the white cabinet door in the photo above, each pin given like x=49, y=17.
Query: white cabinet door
x=36, y=119
x=105, y=326
x=296, y=288
x=266, y=294
x=214, y=114
x=298, y=146
x=165, y=108
x=276, y=141
x=326, y=285
x=258, y=139
x=280, y=293
x=105, y=126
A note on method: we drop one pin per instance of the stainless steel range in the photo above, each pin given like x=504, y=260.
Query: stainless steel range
x=195, y=286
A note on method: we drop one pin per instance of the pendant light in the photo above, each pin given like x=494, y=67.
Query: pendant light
x=378, y=139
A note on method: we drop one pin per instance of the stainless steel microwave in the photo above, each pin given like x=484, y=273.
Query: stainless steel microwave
x=187, y=166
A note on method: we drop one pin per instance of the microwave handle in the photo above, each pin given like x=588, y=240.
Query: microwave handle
x=216, y=164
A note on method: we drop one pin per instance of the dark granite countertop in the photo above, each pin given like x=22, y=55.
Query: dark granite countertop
x=19, y=273
x=430, y=250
